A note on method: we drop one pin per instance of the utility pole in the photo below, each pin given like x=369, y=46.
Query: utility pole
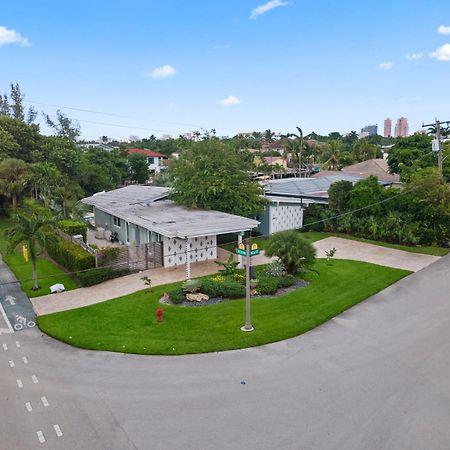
x=437, y=146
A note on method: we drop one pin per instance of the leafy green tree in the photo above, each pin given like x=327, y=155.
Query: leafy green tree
x=14, y=175
x=138, y=168
x=63, y=126
x=367, y=192
x=64, y=154
x=9, y=148
x=213, y=175
x=44, y=178
x=29, y=231
x=292, y=250
x=339, y=196
x=362, y=151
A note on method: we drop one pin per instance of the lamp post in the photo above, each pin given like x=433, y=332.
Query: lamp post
x=248, y=324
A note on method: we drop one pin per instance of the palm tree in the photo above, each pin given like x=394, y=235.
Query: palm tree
x=13, y=178
x=29, y=231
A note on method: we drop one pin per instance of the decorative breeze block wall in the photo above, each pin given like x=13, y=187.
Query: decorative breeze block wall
x=200, y=249
x=285, y=217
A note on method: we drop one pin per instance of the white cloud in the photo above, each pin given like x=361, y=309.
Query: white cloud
x=266, y=7
x=386, y=65
x=162, y=72
x=444, y=30
x=231, y=100
x=8, y=36
x=414, y=56
x=442, y=53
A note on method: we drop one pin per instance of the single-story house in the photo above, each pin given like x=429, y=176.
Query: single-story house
x=288, y=197
x=144, y=214
x=155, y=160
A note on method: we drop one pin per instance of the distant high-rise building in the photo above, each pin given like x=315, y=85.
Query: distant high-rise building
x=387, y=128
x=401, y=127
x=369, y=130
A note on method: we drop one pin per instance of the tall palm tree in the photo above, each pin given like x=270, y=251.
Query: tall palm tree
x=14, y=175
x=29, y=231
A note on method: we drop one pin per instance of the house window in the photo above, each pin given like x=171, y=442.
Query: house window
x=116, y=221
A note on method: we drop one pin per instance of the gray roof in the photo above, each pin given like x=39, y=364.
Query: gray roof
x=306, y=186
x=128, y=195
x=165, y=216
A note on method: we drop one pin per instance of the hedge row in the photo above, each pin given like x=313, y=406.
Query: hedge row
x=68, y=254
x=91, y=277
x=73, y=227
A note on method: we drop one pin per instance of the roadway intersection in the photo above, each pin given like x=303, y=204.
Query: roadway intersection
x=376, y=377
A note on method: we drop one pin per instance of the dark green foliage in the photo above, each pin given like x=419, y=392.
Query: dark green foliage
x=176, y=295
x=138, y=168
x=35, y=207
x=293, y=251
x=285, y=281
x=267, y=285
x=96, y=276
x=313, y=217
x=339, y=196
x=68, y=254
x=73, y=227
x=228, y=288
x=213, y=175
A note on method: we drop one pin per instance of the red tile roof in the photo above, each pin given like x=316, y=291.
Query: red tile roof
x=143, y=151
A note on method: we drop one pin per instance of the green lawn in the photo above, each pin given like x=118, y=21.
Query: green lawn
x=313, y=236
x=48, y=272
x=128, y=324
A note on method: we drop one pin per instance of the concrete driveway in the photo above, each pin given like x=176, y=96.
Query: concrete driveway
x=361, y=251
x=373, y=378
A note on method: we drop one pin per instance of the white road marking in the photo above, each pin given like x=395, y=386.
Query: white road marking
x=11, y=329
x=5, y=331
x=19, y=383
x=11, y=300
x=40, y=436
x=17, y=344
x=28, y=406
x=5, y=347
x=11, y=363
x=44, y=401
x=25, y=359
x=34, y=378
x=57, y=430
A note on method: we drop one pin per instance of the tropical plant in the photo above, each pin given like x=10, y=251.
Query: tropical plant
x=276, y=269
x=294, y=252
x=229, y=266
x=28, y=231
x=13, y=178
x=192, y=286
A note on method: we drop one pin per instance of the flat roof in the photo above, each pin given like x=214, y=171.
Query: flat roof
x=165, y=216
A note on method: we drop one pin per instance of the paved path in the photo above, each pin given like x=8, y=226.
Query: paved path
x=346, y=249
x=361, y=251
x=16, y=311
x=373, y=378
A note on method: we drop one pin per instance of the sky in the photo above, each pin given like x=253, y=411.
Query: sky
x=173, y=66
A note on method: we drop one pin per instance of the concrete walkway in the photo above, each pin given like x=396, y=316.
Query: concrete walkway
x=361, y=251
x=346, y=249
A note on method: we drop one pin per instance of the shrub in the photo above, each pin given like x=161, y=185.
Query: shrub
x=267, y=285
x=286, y=281
x=291, y=249
x=239, y=277
x=96, y=276
x=276, y=269
x=108, y=255
x=191, y=286
x=228, y=288
x=73, y=227
x=229, y=266
x=176, y=295
x=68, y=254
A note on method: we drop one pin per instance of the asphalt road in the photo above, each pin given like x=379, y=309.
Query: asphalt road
x=376, y=377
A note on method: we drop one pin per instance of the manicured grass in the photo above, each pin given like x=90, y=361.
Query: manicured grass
x=313, y=236
x=48, y=272
x=128, y=324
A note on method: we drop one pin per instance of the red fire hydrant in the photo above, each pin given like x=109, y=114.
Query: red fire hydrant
x=159, y=314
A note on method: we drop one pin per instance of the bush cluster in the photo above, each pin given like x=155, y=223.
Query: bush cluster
x=73, y=227
x=228, y=288
x=96, y=276
x=68, y=254
x=176, y=295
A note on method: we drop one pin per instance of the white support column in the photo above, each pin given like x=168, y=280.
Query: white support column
x=187, y=253
x=240, y=236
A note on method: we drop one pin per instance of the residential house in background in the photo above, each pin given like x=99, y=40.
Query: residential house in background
x=156, y=161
